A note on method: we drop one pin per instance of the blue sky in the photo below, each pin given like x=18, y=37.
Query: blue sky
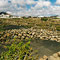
x=53, y=1
x=31, y=7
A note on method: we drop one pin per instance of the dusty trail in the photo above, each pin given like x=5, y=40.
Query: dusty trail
x=45, y=47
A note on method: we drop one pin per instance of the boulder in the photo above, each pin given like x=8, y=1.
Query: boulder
x=55, y=55
x=45, y=57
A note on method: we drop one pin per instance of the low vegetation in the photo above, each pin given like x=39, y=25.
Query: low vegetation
x=42, y=23
x=44, y=18
x=16, y=49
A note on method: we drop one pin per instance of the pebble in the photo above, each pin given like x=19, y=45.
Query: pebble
x=41, y=59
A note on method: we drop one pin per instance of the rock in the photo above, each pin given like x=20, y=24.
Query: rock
x=45, y=57
x=33, y=33
x=19, y=34
x=22, y=37
x=38, y=36
x=4, y=36
x=41, y=29
x=55, y=55
x=41, y=37
x=31, y=36
x=15, y=36
x=58, y=40
x=53, y=39
x=28, y=35
x=57, y=58
x=8, y=34
x=41, y=59
x=58, y=54
x=51, y=58
x=53, y=36
x=24, y=34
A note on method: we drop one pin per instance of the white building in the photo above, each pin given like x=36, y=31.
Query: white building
x=40, y=16
x=15, y=17
x=4, y=16
x=58, y=16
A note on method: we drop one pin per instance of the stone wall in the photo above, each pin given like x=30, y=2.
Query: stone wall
x=31, y=33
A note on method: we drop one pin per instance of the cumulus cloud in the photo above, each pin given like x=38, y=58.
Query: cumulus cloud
x=30, y=2
x=30, y=7
x=58, y=2
x=21, y=2
x=3, y=3
x=40, y=4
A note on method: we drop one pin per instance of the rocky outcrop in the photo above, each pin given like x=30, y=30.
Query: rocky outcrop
x=55, y=56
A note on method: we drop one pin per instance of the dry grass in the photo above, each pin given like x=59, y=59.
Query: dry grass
x=31, y=22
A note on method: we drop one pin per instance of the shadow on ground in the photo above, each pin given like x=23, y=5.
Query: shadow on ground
x=45, y=47
x=9, y=27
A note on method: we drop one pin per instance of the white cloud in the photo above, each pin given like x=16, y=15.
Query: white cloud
x=58, y=2
x=3, y=3
x=30, y=2
x=42, y=7
x=42, y=3
x=21, y=2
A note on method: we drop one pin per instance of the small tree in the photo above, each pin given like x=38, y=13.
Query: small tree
x=44, y=18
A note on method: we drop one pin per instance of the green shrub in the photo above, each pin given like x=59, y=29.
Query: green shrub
x=58, y=28
x=24, y=17
x=18, y=51
x=51, y=25
x=44, y=18
x=1, y=28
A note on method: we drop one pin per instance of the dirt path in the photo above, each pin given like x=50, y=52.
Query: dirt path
x=45, y=47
